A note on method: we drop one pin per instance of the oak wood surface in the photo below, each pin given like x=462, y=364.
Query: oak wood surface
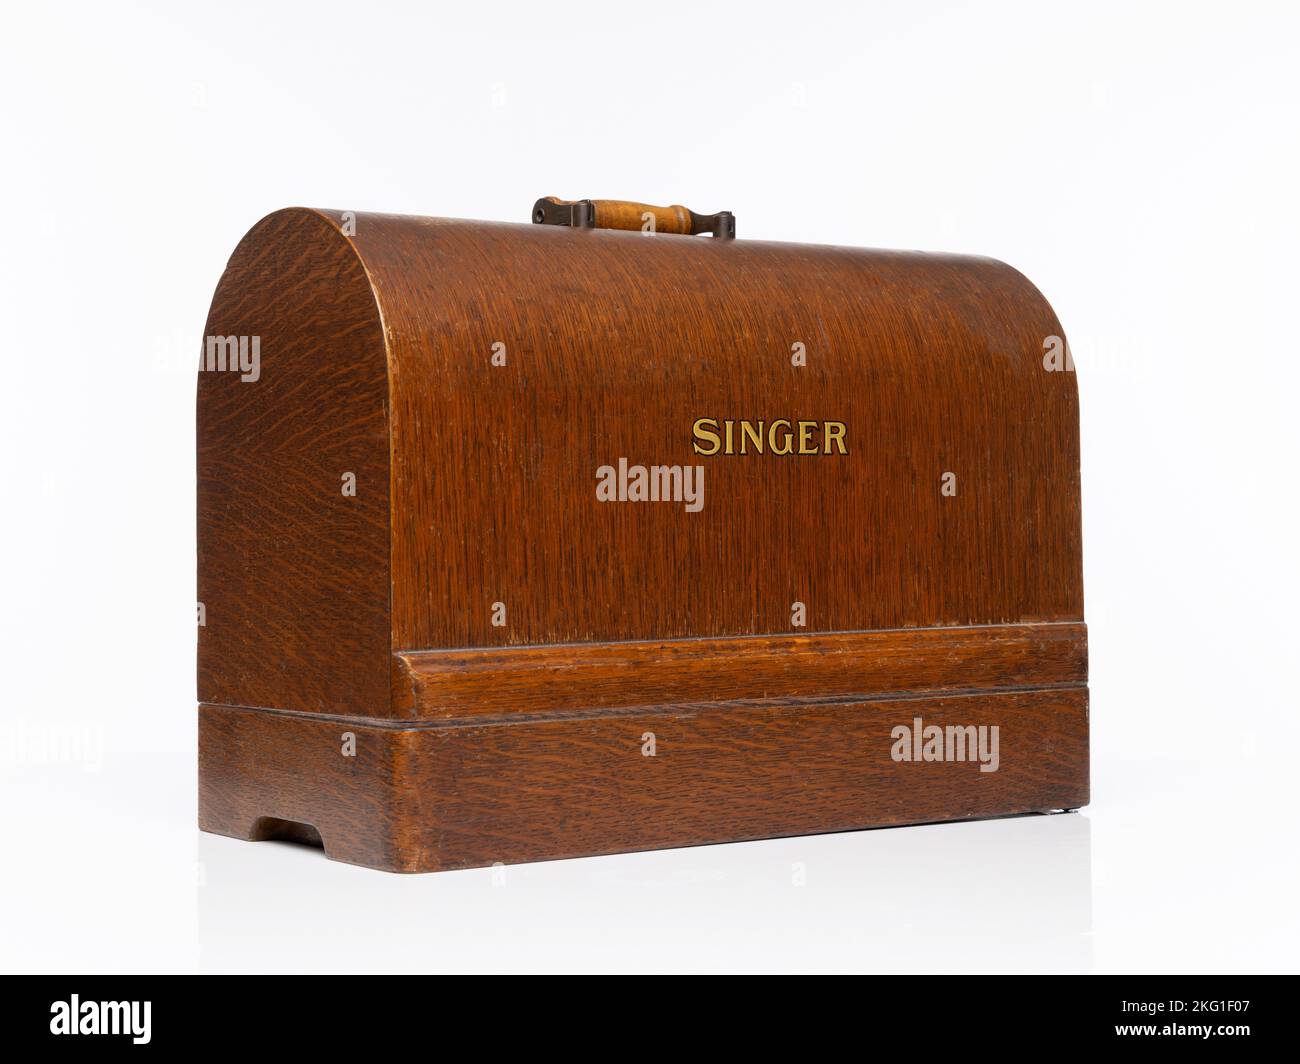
x=440, y=797
x=461, y=683
x=494, y=634
x=617, y=342
x=293, y=577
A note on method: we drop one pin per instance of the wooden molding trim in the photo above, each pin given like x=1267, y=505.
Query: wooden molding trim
x=449, y=684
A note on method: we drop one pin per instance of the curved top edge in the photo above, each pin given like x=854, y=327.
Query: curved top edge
x=352, y=228
x=337, y=220
x=307, y=214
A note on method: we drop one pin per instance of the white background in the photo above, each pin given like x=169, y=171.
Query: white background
x=1139, y=162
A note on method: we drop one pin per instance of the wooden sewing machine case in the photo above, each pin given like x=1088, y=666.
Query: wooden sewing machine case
x=520, y=542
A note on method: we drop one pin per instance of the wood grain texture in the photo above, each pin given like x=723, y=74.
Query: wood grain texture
x=258, y=765
x=292, y=574
x=475, y=486
x=617, y=342
x=624, y=214
x=441, y=797
x=451, y=684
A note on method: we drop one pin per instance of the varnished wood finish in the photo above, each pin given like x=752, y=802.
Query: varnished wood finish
x=626, y=214
x=617, y=342
x=853, y=665
x=440, y=797
x=293, y=576
x=475, y=485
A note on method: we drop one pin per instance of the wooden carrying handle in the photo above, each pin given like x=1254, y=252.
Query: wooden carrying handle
x=624, y=214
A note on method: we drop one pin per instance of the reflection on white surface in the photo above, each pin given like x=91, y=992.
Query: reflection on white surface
x=1012, y=894
x=108, y=873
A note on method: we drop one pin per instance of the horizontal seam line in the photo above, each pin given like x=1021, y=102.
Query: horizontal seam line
x=648, y=709
x=750, y=637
